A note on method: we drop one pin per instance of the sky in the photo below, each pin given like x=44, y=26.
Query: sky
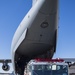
x=13, y=11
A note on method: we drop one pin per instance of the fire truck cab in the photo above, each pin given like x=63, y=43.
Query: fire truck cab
x=47, y=67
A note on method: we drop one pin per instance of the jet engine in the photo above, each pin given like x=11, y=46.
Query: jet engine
x=5, y=67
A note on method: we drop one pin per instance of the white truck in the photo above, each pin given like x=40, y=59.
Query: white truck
x=47, y=67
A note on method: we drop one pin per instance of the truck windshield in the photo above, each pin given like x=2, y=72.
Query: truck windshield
x=59, y=70
x=49, y=70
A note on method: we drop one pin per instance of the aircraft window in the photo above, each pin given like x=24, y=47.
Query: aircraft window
x=58, y=67
x=47, y=67
x=30, y=68
x=53, y=67
x=64, y=67
x=37, y=67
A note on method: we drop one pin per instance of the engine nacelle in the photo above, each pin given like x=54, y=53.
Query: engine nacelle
x=5, y=67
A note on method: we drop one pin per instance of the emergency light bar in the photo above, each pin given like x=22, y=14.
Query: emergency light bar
x=48, y=60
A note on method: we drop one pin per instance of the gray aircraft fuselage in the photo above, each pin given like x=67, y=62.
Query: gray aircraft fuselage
x=36, y=35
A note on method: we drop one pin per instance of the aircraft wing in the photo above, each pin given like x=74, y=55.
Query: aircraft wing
x=5, y=60
x=5, y=74
x=69, y=59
